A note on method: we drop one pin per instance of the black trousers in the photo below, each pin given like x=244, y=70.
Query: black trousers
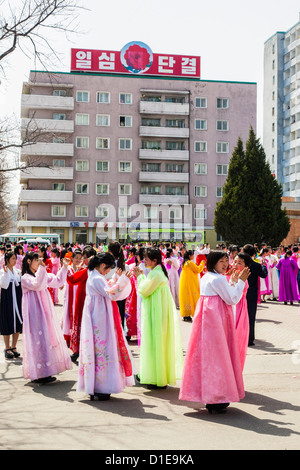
x=252, y=308
x=121, y=305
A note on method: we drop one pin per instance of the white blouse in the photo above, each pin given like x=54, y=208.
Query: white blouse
x=212, y=284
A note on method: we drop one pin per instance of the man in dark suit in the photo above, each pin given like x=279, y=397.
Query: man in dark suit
x=256, y=270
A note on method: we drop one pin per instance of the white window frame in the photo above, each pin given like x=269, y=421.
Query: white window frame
x=200, y=121
x=222, y=121
x=125, y=139
x=125, y=171
x=220, y=147
x=58, y=118
x=153, y=212
x=99, y=139
x=61, y=207
x=125, y=116
x=196, y=214
x=198, y=173
x=78, y=206
x=126, y=94
x=125, y=193
x=221, y=190
x=200, y=142
x=201, y=189
x=102, y=184
x=223, y=102
x=104, y=116
x=82, y=101
x=124, y=216
x=80, y=192
x=80, y=146
x=100, y=207
x=58, y=160
x=99, y=93
x=223, y=166
x=201, y=98
x=59, y=183
x=102, y=161
x=177, y=211
x=82, y=115
x=81, y=161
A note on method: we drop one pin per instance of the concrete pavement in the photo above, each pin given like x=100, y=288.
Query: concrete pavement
x=56, y=417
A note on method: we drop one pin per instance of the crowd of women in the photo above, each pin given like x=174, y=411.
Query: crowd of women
x=115, y=293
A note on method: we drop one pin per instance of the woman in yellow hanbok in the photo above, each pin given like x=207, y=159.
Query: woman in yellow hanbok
x=189, y=286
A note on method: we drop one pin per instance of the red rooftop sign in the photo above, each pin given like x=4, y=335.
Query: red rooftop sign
x=135, y=58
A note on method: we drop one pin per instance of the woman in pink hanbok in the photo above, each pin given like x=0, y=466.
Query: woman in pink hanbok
x=55, y=266
x=265, y=284
x=212, y=371
x=241, y=261
x=172, y=265
x=105, y=362
x=44, y=349
x=19, y=252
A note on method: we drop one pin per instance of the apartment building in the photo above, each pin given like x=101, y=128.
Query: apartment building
x=129, y=153
x=281, y=135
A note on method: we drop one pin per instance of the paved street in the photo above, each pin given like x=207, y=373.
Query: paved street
x=56, y=417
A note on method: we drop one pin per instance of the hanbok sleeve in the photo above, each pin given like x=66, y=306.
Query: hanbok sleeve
x=119, y=287
x=58, y=280
x=37, y=282
x=230, y=294
x=195, y=268
x=148, y=285
x=4, y=279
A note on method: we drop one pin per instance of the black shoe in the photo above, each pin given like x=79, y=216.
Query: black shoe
x=102, y=396
x=291, y=303
x=45, y=380
x=217, y=407
x=285, y=303
x=15, y=352
x=251, y=344
x=74, y=357
x=8, y=354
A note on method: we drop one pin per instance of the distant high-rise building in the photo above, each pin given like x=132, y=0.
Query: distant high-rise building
x=281, y=122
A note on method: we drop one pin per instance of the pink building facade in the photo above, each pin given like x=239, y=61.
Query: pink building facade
x=127, y=155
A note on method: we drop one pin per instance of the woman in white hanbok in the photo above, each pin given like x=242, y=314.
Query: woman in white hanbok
x=105, y=362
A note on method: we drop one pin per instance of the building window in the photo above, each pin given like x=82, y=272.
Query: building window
x=221, y=169
x=82, y=96
x=82, y=119
x=222, y=125
x=152, y=167
x=103, y=97
x=175, y=213
x=125, y=144
x=222, y=103
x=150, y=212
x=59, y=140
x=179, y=123
x=102, y=120
x=200, y=168
x=58, y=211
x=200, y=147
x=59, y=117
x=59, y=163
x=201, y=124
x=124, y=212
x=171, y=145
x=124, y=189
x=58, y=186
x=200, y=102
x=125, y=121
x=125, y=167
x=151, y=145
x=102, y=189
x=101, y=211
x=59, y=93
x=174, y=167
x=200, y=191
x=82, y=188
x=219, y=191
x=102, y=166
x=82, y=165
x=222, y=147
x=175, y=190
x=151, y=190
x=125, y=98
x=200, y=213
x=102, y=143
x=81, y=211
x=82, y=142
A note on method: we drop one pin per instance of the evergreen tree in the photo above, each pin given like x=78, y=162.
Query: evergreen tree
x=250, y=210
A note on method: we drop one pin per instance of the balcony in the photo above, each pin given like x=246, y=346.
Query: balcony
x=153, y=131
x=162, y=199
x=59, y=103
x=163, y=177
x=170, y=155
x=40, y=173
x=48, y=125
x=41, y=195
x=173, y=109
x=48, y=149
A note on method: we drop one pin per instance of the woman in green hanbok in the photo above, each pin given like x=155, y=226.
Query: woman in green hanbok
x=161, y=357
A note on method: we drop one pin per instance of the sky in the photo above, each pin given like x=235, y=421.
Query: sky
x=229, y=36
